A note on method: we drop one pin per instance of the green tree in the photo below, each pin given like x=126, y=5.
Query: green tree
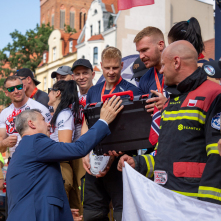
x=25, y=51
x=68, y=29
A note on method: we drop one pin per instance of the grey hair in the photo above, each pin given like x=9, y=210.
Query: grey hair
x=21, y=121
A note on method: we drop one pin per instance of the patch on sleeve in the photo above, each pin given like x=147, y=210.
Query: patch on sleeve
x=215, y=122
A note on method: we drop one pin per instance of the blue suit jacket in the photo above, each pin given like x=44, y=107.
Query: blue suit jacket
x=35, y=186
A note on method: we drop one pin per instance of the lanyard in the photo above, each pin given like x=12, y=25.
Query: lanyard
x=118, y=82
x=159, y=87
x=34, y=92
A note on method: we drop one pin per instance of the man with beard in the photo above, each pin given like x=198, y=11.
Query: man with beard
x=150, y=44
x=30, y=83
x=15, y=90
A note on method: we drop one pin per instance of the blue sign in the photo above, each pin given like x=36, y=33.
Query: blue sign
x=218, y=31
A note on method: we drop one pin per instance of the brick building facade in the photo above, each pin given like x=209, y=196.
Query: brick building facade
x=69, y=12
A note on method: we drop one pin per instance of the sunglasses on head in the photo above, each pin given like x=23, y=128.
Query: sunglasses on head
x=51, y=89
x=22, y=78
x=11, y=89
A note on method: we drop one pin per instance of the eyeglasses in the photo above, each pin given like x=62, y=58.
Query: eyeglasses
x=11, y=89
x=51, y=89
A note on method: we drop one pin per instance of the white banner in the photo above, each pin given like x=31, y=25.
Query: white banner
x=144, y=200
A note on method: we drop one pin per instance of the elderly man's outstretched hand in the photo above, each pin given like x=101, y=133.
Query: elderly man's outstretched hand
x=110, y=109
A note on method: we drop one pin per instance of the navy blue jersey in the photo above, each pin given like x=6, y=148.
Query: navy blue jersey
x=147, y=82
x=94, y=93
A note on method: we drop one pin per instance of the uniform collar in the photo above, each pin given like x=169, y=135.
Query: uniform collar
x=192, y=82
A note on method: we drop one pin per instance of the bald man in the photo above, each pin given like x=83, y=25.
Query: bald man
x=187, y=159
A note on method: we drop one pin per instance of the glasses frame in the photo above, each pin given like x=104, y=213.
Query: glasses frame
x=51, y=89
x=13, y=88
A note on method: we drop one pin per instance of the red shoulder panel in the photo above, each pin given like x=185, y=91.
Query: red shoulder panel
x=208, y=89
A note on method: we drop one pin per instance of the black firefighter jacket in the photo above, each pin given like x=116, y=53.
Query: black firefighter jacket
x=187, y=159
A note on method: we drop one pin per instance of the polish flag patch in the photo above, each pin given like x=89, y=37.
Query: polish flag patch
x=192, y=103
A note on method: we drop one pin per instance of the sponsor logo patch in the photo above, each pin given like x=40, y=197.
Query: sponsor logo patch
x=160, y=177
x=215, y=122
x=181, y=127
x=192, y=103
x=209, y=70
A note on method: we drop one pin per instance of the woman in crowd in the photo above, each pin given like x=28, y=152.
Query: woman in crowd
x=63, y=97
x=190, y=31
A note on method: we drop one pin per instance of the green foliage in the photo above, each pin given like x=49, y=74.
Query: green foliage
x=68, y=29
x=25, y=51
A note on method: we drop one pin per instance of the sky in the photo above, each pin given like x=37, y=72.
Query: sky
x=22, y=15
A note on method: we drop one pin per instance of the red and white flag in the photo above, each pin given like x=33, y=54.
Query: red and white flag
x=126, y=4
x=192, y=103
x=155, y=126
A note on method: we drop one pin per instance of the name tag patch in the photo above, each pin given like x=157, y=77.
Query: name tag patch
x=160, y=177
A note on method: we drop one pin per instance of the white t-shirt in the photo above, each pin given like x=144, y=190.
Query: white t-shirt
x=78, y=125
x=64, y=121
x=8, y=115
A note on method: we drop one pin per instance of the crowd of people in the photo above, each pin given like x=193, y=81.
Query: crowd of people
x=46, y=177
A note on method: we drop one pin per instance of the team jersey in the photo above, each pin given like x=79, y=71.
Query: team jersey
x=64, y=121
x=148, y=82
x=94, y=93
x=8, y=116
x=79, y=122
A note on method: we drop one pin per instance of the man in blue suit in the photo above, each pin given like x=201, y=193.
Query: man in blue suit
x=34, y=183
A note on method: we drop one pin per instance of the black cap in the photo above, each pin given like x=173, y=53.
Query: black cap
x=63, y=70
x=139, y=69
x=82, y=62
x=212, y=69
x=25, y=72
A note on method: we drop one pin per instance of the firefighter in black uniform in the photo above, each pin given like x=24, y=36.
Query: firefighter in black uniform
x=187, y=159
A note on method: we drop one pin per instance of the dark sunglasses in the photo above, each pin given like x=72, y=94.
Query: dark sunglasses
x=11, y=89
x=51, y=89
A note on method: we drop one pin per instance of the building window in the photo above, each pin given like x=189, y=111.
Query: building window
x=52, y=20
x=72, y=15
x=107, y=46
x=91, y=30
x=95, y=55
x=70, y=46
x=80, y=20
x=45, y=83
x=95, y=11
x=84, y=18
x=62, y=19
x=111, y=21
x=99, y=27
x=83, y=57
x=44, y=58
x=54, y=54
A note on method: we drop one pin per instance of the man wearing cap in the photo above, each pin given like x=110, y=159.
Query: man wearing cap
x=139, y=69
x=83, y=74
x=63, y=73
x=30, y=83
